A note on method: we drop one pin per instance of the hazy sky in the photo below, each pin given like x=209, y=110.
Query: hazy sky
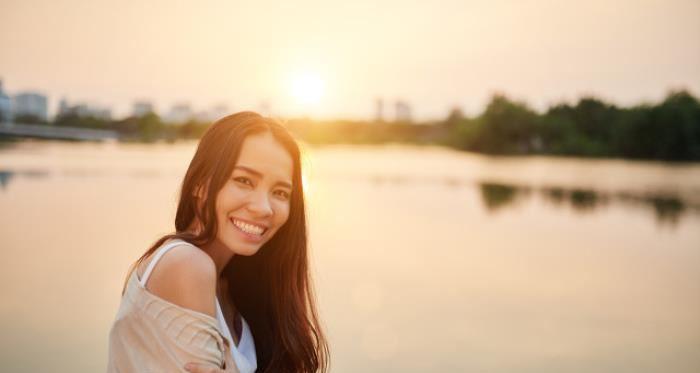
x=432, y=54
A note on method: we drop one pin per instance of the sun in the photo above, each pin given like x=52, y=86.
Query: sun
x=307, y=87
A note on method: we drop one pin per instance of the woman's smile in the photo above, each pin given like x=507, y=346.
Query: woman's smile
x=252, y=232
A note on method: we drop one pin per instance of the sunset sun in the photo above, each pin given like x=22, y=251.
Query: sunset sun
x=307, y=87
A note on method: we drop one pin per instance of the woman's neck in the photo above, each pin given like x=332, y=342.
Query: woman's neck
x=216, y=250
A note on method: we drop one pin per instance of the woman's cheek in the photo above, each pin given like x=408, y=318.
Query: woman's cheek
x=236, y=195
x=284, y=214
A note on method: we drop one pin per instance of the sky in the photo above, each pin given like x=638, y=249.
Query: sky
x=334, y=59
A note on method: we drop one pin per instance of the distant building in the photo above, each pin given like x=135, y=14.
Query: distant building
x=5, y=106
x=219, y=111
x=180, y=113
x=403, y=111
x=84, y=110
x=379, y=110
x=63, y=107
x=202, y=116
x=455, y=116
x=31, y=104
x=213, y=114
x=141, y=108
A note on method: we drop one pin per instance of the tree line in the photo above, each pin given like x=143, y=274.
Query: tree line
x=668, y=130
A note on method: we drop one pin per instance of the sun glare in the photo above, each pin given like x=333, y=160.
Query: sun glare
x=307, y=88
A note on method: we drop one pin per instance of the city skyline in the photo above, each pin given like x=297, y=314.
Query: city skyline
x=179, y=112
x=335, y=60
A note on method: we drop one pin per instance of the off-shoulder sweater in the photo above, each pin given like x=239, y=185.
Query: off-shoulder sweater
x=150, y=334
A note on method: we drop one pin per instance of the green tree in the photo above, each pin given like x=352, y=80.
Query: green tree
x=505, y=127
x=668, y=131
x=29, y=119
x=677, y=121
x=72, y=119
x=150, y=126
x=592, y=120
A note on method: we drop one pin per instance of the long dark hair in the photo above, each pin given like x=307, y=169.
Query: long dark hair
x=271, y=289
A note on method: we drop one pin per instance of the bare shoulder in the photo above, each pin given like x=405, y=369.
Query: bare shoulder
x=185, y=276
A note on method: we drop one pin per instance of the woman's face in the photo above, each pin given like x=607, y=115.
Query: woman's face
x=254, y=203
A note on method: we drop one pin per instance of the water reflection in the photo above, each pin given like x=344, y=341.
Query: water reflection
x=582, y=200
x=667, y=209
x=425, y=231
x=497, y=196
x=7, y=175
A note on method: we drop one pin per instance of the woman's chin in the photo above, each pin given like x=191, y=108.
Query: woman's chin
x=249, y=252
x=245, y=249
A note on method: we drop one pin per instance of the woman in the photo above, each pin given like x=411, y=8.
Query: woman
x=230, y=289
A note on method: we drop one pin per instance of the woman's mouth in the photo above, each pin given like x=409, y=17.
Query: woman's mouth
x=252, y=231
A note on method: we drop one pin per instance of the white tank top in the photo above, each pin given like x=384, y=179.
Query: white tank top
x=244, y=354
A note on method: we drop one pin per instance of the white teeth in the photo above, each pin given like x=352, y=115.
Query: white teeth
x=248, y=228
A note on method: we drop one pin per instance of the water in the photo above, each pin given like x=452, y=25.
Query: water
x=424, y=259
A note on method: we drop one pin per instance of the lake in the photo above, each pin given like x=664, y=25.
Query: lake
x=424, y=259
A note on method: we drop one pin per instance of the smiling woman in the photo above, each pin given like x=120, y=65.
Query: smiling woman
x=229, y=290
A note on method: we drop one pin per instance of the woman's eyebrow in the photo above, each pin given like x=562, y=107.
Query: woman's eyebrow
x=260, y=175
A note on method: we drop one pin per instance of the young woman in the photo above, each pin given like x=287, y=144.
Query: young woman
x=229, y=291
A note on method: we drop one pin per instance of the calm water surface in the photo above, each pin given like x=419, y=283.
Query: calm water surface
x=424, y=259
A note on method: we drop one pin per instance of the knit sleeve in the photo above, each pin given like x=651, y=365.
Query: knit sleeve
x=190, y=336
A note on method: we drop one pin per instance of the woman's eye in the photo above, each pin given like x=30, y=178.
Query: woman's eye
x=283, y=194
x=243, y=180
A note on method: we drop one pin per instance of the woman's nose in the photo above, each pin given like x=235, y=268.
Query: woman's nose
x=259, y=204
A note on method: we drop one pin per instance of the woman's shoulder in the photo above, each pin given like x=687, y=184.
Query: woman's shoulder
x=185, y=276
